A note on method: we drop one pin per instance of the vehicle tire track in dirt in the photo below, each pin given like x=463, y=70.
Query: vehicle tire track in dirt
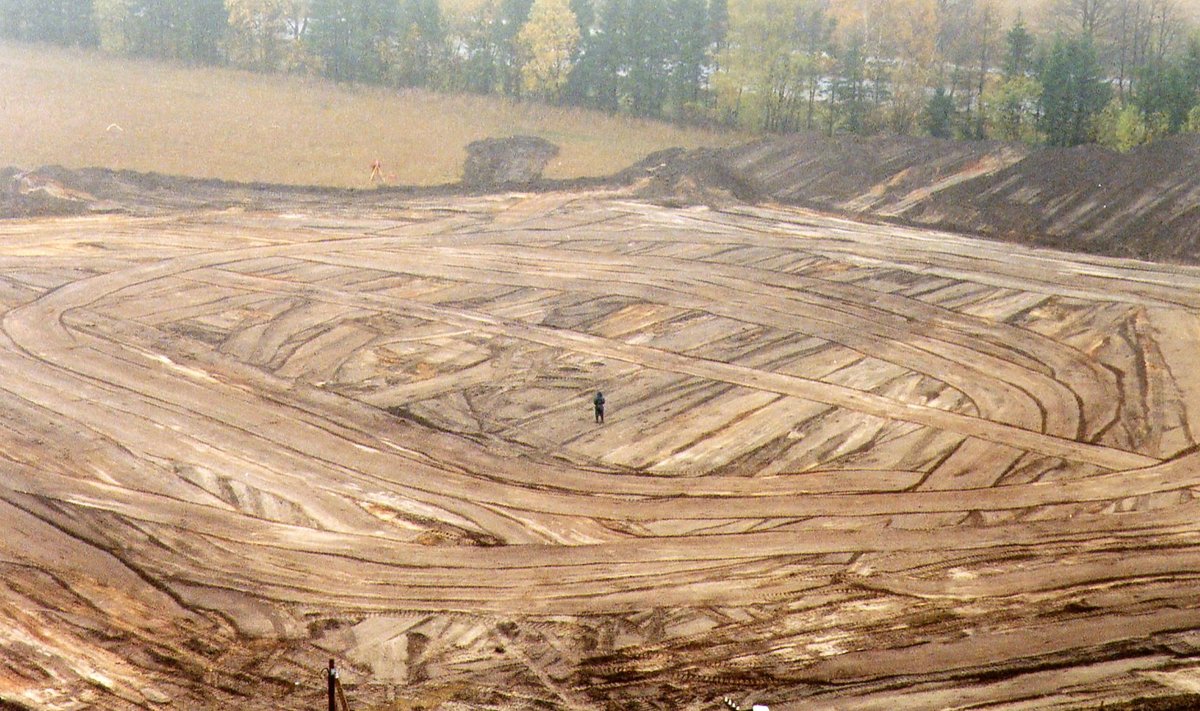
x=297, y=519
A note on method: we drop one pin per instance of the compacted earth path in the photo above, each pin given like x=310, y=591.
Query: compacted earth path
x=845, y=466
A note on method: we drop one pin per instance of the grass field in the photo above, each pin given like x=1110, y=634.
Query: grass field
x=57, y=107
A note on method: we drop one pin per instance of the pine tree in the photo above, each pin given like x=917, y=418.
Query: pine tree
x=1073, y=92
x=939, y=114
x=718, y=25
x=1018, y=61
x=513, y=14
x=850, y=88
x=1191, y=65
x=690, y=52
x=593, y=81
x=646, y=50
x=1164, y=96
x=200, y=27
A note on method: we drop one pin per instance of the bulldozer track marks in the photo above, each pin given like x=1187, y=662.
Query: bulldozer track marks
x=842, y=463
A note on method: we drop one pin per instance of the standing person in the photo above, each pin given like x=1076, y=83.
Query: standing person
x=598, y=402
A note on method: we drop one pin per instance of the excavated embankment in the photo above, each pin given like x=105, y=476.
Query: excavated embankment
x=1144, y=204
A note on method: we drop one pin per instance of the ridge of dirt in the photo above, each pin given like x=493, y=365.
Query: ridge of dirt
x=1144, y=204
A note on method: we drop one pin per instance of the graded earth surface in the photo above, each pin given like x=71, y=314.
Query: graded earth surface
x=845, y=465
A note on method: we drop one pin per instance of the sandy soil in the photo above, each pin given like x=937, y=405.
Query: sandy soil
x=845, y=466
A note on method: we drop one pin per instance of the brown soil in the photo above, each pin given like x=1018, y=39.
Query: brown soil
x=846, y=465
x=1145, y=204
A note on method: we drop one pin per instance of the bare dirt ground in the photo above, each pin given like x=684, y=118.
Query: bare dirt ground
x=846, y=466
x=1144, y=204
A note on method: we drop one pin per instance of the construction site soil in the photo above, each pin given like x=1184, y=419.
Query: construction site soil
x=1143, y=205
x=855, y=456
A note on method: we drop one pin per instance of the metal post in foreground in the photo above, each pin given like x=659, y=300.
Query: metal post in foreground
x=331, y=676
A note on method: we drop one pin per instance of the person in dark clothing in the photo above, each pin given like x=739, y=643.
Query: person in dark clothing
x=598, y=401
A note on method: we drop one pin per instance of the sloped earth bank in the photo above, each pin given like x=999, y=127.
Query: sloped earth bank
x=1144, y=204
x=1141, y=205
x=846, y=466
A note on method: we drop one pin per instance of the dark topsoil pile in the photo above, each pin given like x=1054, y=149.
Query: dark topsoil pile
x=1144, y=204
x=54, y=191
x=513, y=161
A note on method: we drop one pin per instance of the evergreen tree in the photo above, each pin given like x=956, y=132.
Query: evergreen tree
x=1018, y=60
x=1164, y=96
x=1073, y=92
x=850, y=88
x=513, y=14
x=627, y=61
x=585, y=15
x=691, y=52
x=939, y=114
x=576, y=89
x=816, y=38
x=200, y=27
x=330, y=38
x=646, y=54
x=191, y=30
x=593, y=82
x=1191, y=65
x=718, y=25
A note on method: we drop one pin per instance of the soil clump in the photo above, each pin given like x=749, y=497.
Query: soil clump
x=511, y=161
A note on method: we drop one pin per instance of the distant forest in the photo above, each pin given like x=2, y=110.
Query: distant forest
x=1063, y=72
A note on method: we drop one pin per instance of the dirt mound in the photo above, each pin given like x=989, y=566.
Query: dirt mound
x=1145, y=204
x=104, y=190
x=497, y=162
x=677, y=176
x=42, y=193
x=871, y=175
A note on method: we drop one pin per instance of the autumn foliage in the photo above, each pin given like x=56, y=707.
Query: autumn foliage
x=1028, y=70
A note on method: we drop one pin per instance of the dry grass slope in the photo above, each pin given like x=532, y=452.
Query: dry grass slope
x=56, y=107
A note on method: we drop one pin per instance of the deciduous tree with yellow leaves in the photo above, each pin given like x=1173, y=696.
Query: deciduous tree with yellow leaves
x=547, y=43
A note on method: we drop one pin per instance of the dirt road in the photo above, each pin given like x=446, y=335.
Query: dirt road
x=845, y=466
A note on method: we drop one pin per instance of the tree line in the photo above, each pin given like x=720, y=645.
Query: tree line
x=1118, y=72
